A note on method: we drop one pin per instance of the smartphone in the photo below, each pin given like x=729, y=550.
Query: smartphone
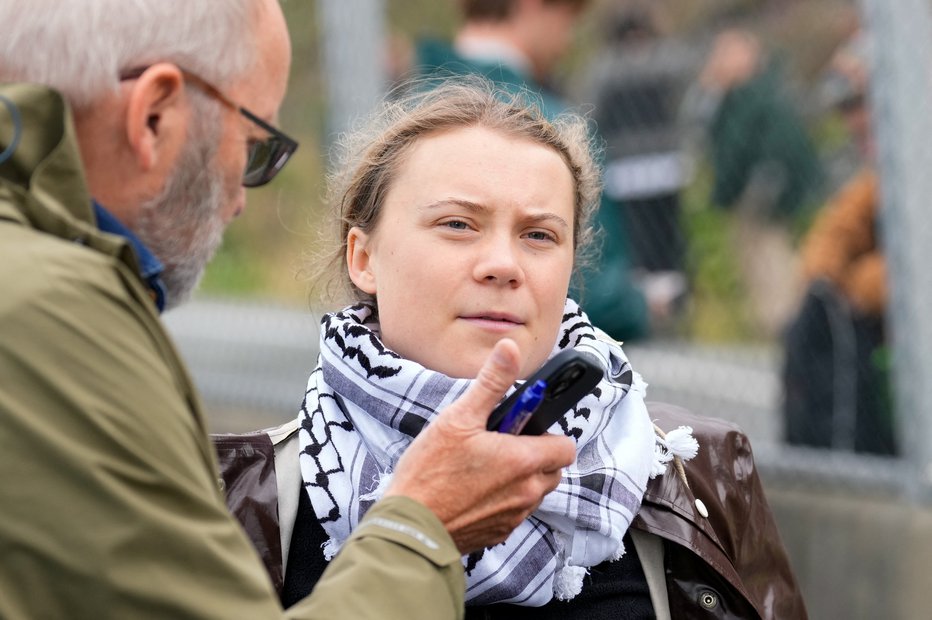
x=548, y=394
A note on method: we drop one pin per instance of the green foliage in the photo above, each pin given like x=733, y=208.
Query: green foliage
x=718, y=310
x=262, y=248
x=234, y=271
x=415, y=18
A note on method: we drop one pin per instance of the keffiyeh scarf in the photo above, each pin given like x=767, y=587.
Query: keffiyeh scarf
x=364, y=405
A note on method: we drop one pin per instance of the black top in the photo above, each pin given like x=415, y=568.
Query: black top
x=611, y=590
x=306, y=561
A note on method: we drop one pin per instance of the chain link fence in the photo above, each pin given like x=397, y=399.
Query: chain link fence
x=771, y=163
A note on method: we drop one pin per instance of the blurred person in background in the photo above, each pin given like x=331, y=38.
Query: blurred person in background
x=636, y=84
x=836, y=371
x=517, y=44
x=764, y=165
x=128, y=134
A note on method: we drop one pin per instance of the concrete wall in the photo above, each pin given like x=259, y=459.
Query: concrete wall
x=856, y=554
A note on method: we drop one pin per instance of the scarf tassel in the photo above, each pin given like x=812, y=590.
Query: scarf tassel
x=677, y=443
x=330, y=548
x=381, y=486
x=569, y=582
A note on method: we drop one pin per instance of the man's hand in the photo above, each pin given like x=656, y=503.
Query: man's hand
x=481, y=484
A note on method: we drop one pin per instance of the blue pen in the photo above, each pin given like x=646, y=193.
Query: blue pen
x=521, y=411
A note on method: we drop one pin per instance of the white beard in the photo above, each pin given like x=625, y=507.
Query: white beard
x=183, y=225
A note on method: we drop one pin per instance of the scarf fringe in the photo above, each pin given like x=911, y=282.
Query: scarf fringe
x=381, y=486
x=619, y=552
x=331, y=548
x=568, y=582
x=678, y=443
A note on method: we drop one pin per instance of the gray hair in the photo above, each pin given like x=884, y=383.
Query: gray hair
x=369, y=159
x=79, y=47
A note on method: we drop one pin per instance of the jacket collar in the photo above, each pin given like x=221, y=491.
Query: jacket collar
x=150, y=268
x=42, y=181
x=46, y=163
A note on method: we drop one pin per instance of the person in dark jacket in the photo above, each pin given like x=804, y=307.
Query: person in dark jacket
x=703, y=545
x=765, y=168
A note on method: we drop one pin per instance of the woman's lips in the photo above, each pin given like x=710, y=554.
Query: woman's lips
x=494, y=321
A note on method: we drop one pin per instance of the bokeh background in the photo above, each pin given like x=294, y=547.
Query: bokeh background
x=767, y=109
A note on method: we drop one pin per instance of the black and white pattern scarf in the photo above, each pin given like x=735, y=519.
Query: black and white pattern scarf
x=364, y=405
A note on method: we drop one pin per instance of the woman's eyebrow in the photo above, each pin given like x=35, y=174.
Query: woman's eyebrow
x=551, y=218
x=459, y=202
x=480, y=208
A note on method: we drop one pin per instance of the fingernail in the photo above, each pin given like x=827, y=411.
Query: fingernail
x=499, y=357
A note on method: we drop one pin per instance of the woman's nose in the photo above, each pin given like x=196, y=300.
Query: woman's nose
x=498, y=262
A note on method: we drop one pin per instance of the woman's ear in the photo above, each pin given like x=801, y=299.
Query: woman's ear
x=157, y=115
x=359, y=260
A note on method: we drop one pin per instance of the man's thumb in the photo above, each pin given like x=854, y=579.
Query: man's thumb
x=497, y=374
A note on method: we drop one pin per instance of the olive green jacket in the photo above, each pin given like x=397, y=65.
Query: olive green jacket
x=109, y=505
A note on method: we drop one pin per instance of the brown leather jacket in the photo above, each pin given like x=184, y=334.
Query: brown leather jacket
x=731, y=564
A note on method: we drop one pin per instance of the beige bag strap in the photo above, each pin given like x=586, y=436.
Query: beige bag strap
x=650, y=552
x=288, y=478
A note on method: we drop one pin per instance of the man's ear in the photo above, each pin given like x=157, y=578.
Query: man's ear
x=358, y=260
x=156, y=116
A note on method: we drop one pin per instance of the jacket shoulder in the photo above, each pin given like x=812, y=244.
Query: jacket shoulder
x=35, y=266
x=716, y=514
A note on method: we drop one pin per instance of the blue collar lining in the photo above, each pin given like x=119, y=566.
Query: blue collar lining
x=150, y=268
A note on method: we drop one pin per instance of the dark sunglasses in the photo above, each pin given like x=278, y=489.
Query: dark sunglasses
x=264, y=158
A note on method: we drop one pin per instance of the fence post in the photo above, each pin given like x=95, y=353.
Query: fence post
x=900, y=38
x=352, y=33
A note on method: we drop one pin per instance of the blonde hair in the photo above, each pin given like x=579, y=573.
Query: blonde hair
x=368, y=160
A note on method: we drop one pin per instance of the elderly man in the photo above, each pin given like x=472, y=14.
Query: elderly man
x=128, y=131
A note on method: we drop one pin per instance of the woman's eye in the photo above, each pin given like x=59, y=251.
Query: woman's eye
x=456, y=225
x=539, y=235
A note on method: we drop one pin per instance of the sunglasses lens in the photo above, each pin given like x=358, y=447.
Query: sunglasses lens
x=257, y=160
x=265, y=159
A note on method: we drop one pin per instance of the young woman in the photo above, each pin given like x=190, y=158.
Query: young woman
x=463, y=215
